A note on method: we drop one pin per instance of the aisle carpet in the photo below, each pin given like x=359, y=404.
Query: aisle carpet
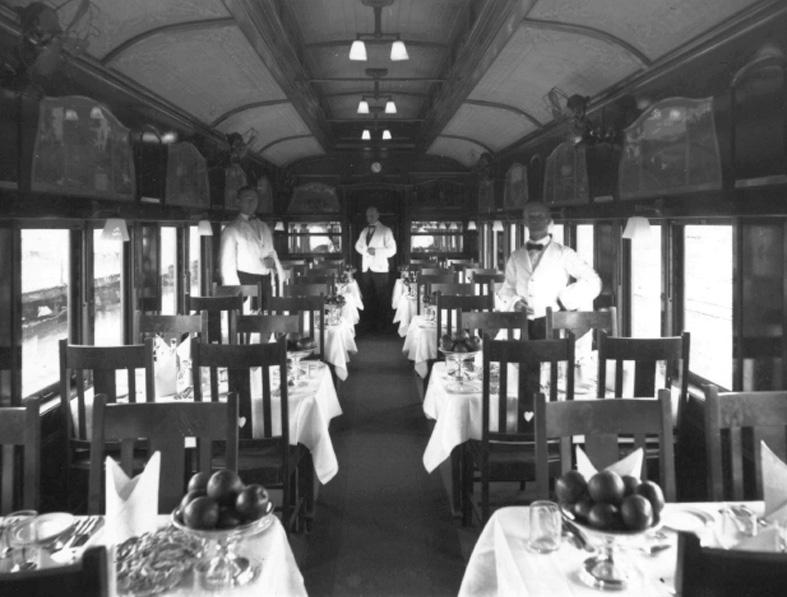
x=383, y=525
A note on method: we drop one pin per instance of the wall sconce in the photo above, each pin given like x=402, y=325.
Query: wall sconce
x=497, y=226
x=636, y=227
x=279, y=227
x=204, y=228
x=471, y=225
x=115, y=229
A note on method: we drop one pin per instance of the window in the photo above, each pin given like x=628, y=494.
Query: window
x=646, y=284
x=558, y=233
x=315, y=237
x=707, y=307
x=195, y=254
x=436, y=237
x=585, y=242
x=45, y=283
x=168, y=271
x=107, y=269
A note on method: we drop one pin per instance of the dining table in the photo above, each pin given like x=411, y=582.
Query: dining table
x=353, y=300
x=278, y=573
x=420, y=343
x=404, y=305
x=503, y=564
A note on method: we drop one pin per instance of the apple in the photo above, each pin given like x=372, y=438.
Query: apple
x=201, y=513
x=652, y=492
x=189, y=497
x=198, y=482
x=570, y=487
x=637, y=513
x=605, y=486
x=223, y=486
x=228, y=518
x=252, y=502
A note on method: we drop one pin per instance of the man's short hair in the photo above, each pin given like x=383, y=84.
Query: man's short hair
x=243, y=189
x=532, y=205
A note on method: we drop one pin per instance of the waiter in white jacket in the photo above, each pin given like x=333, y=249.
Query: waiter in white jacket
x=545, y=273
x=376, y=245
x=247, y=252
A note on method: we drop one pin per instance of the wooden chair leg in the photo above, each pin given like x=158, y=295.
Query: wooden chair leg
x=468, y=473
x=484, y=492
x=457, y=464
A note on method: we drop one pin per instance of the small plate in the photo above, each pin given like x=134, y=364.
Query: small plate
x=50, y=526
x=685, y=518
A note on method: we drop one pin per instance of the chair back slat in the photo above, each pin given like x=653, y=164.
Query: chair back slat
x=491, y=322
x=265, y=326
x=423, y=286
x=735, y=423
x=297, y=289
x=168, y=327
x=20, y=426
x=603, y=424
x=581, y=322
x=455, y=288
x=165, y=426
x=214, y=307
x=310, y=309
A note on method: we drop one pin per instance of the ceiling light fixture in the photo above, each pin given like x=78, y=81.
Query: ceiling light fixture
x=115, y=229
x=204, y=228
x=363, y=107
x=637, y=227
x=386, y=135
x=390, y=107
x=366, y=135
x=358, y=50
x=471, y=225
x=398, y=47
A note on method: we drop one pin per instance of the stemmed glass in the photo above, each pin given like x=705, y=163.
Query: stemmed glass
x=23, y=537
x=7, y=548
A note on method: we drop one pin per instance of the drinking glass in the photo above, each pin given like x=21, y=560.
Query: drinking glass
x=9, y=521
x=546, y=526
x=23, y=538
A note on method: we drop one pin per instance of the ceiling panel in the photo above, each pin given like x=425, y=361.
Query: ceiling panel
x=291, y=150
x=493, y=127
x=535, y=60
x=653, y=27
x=207, y=73
x=464, y=152
x=267, y=123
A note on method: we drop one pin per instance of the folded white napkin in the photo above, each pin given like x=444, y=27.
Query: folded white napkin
x=165, y=368
x=631, y=464
x=774, y=484
x=131, y=504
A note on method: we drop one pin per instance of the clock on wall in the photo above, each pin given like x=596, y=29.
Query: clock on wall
x=377, y=167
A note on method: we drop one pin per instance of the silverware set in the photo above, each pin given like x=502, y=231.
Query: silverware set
x=83, y=530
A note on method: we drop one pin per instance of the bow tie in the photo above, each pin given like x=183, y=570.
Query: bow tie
x=534, y=246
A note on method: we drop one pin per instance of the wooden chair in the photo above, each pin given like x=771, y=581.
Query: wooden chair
x=21, y=426
x=450, y=309
x=267, y=456
x=735, y=423
x=491, y=322
x=646, y=354
x=607, y=427
x=88, y=577
x=165, y=426
x=99, y=365
x=306, y=289
x=580, y=323
x=168, y=327
x=437, y=271
x=714, y=572
x=506, y=450
x=453, y=288
x=317, y=277
x=214, y=307
x=485, y=279
x=310, y=309
x=265, y=326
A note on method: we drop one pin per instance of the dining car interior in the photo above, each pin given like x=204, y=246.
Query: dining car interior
x=393, y=297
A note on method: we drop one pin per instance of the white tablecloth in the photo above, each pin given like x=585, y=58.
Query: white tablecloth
x=353, y=301
x=502, y=565
x=312, y=407
x=420, y=343
x=404, y=306
x=339, y=343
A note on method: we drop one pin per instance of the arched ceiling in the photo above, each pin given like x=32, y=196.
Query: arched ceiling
x=277, y=71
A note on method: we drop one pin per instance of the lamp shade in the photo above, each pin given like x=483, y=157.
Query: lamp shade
x=115, y=229
x=497, y=226
x=279, y=227
x=366, y=135
x=390, y=107
x=358, y=50
x=399, y=51
x=204, y=228
x=363, y=107
x=636, y=227
x=471, y=225
x=386, y=135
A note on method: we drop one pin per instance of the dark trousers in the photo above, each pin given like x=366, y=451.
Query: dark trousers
x=255, y=279
x=376, y=313
x=537, y=328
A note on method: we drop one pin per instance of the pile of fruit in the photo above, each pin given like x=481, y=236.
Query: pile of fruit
x=460, y=342
x=221, y=501
x=298, y=341
x=610, y=502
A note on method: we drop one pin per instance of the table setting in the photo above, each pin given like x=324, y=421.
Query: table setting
x=403, y=300
x=545, y=549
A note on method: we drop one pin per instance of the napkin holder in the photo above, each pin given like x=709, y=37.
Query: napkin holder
x=131, y=503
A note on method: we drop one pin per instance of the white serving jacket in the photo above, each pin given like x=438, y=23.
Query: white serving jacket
x=550, y=281
x=384, y=247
